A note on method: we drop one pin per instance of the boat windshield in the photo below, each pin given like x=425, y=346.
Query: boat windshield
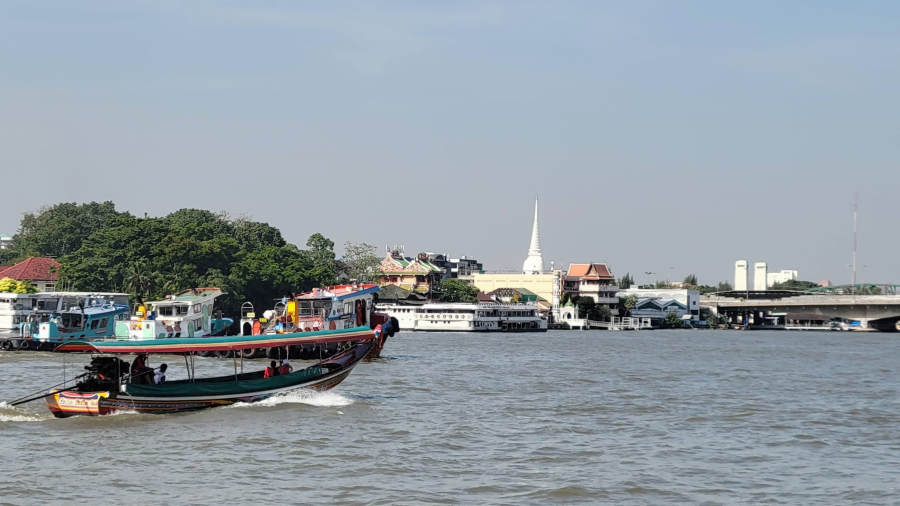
x=71, y=320
x=47, y=304
x=314, y=307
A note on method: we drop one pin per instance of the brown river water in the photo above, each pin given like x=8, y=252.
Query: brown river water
x=650, y=417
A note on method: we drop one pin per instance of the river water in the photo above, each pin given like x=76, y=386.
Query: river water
x=650, y=417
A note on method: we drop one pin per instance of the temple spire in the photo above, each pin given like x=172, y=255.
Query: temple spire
x=534, y=263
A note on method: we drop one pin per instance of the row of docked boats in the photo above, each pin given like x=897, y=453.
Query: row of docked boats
x=44, y=321
x=339, y=316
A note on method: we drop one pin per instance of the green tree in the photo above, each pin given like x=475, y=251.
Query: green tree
x=152, y=257
x=600, y=312
x=690, y=280
x=626, y=281
x=795, y=284
x=320, y=260
x=7, y=285
x=585, y=306
x=673, y=321
x=457, y=290
x=253, y=234
x=630, y=302
x=360, y=262
x=60, y=229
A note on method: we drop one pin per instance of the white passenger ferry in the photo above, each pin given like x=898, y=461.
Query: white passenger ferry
x=464, y=317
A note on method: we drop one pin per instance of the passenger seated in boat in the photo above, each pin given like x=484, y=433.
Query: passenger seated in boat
x=285, y=367
x=140, y=373
x=160, y=376
x=272, y=370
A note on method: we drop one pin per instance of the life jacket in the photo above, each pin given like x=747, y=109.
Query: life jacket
x=284, y=369
x=269, y=372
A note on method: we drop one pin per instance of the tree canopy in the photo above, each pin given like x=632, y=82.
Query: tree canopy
x=359, y=262
x=457, y=290
x=60, y=229
x=11, y=285
x=795, y=284
x=100, y=249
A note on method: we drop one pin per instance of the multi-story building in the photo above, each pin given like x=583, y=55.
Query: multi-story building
x=413, y=274
x=5, y=241
x=592, y=280
x=760, y=269
x=462, y=267
x=740, y=275
x=782, y=276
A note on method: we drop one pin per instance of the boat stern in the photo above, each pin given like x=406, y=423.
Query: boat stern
x=64, y=403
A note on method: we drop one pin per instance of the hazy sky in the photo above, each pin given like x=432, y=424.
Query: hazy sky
x=670, y=137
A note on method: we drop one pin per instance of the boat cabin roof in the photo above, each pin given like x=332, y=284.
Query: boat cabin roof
x=194, y=296
x=338, y=292
x=98, y=310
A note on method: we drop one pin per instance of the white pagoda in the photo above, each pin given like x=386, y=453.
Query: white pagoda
x=534, y=263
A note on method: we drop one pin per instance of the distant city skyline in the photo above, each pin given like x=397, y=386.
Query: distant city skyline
x=669, y=138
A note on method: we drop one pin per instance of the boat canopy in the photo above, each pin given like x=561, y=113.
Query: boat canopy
x=196, y=344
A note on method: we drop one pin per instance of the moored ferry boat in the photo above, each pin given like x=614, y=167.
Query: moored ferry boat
x=329, y=308
x=186, y=314
x=22, y=316
x=466, y=317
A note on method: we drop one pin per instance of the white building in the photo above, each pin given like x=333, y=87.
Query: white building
x=740, y=275
x=5, y=241
x=781, y=276
x=688, y=298
x=759, y=276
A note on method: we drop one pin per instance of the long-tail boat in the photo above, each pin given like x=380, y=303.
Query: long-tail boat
x=111, y=385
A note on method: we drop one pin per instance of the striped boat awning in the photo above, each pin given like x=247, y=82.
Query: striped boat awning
x=197, y=344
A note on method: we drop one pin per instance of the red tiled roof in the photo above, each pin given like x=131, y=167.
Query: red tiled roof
x=33, y=269
x=589, y=271
x=578, y=270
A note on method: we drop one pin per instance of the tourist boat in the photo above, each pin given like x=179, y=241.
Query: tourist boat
x=23, y=315
x=186, y=314
x=107, y=386
x=330, y=308
x=94, y=318
x=466, y=317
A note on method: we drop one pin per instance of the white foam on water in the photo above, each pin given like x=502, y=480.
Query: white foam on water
x=13, y=414
x=123, y=412
x=309, y=397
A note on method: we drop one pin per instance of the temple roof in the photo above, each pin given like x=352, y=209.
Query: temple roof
x=589, y=271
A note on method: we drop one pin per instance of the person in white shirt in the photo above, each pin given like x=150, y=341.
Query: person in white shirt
x=160, y=376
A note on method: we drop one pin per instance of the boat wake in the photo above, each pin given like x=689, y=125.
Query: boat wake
x=12, y=414
x=309, y=397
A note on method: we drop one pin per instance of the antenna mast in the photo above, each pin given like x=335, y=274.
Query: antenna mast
x=853, y=255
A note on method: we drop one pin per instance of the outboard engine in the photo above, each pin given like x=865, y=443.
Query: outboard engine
x=103, y=373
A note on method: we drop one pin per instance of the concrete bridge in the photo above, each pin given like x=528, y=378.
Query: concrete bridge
x=775, y=308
